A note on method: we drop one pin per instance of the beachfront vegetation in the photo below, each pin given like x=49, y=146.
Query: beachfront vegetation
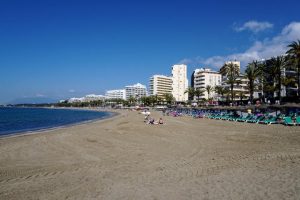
x=169, y=99
x=81, y=104
x=277, y=64
x=198, y=93
x=294, y=57
x=232, y=72
x=191, y=92
x=209, y=89
x=221, y=91
x=132, y=100
x=252, y=72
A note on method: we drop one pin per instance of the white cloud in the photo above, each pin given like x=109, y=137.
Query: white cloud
x=40, y=95
x=254, y=26
x=259, y=50
x=71, y=91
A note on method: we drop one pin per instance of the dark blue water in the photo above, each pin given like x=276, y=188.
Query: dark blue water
x=17, y=120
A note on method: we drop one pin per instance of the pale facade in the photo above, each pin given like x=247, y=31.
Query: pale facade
x=116, y=94
x=204, y=77
x=87, y=98
x=138, y=90
x=94, y=97
x=180, y=82
x=160, y=85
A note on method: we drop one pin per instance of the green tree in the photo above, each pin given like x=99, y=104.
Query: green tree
x=262, y=79
x=209, y=89
x=145, y=101
x=231, y=71
x=191, y=92
x=131, y=100
x=241, y=95
x=169, y=98
x=277, y=64
x=221, y=91
x=252, y=73
x=154, y=99
x=294, y=54
x=198, y=93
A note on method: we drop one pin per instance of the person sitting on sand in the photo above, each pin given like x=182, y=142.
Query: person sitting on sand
x=160, y=121
x=151, y=121
x=146, y=118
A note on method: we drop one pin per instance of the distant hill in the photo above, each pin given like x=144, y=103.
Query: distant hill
x=33, y=100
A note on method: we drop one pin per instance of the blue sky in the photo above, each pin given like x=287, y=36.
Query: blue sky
x=60, y=49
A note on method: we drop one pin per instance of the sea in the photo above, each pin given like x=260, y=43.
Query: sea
x=15, y=120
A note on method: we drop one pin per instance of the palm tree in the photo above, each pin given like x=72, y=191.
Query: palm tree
x=270, y=79
x=191, y=92
x=277, y=64
x=159, y=99
x=251, y=73
x=231, y=71
x=168, y=98
x=146, y=100
x=198, y=93
x=220, y=90
x=153, y=99
x=294, y=53
x=131, y=100
x=241, y=95
x=288, y=81
x=209, y=89
x=262, y=79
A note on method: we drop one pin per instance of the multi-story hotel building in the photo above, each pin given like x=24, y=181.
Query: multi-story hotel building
x=87, y=98
x=204, y=77
x=94, y=97
x=138, y=90
x=160, y=85
x=116, y=94
x=180, y=82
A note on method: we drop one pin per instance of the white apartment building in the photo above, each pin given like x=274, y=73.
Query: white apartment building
x=204, y=77
x=138, y=90
x=160, y=85
x=180, y=82
x=94, y=97
x=87, y=98
x=116, y=94
x=76, y=100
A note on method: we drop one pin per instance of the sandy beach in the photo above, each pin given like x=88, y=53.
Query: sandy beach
x=124, y=158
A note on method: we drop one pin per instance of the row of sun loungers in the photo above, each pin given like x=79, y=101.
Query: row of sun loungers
x=267, y=119
x=258, y=119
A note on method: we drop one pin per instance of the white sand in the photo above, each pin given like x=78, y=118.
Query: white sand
x=123, y=158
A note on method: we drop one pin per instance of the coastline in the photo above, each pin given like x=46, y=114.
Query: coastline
x=112, y=114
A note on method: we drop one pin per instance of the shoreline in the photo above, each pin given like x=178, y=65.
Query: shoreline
x=112, y=114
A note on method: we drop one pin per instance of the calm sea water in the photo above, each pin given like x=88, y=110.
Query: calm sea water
x=16, y=120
